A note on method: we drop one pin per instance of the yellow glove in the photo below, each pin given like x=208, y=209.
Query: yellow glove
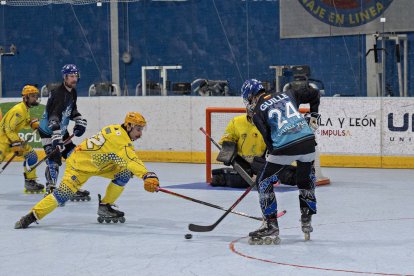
x=34, y=123
x=17, y=148
x=151, y=182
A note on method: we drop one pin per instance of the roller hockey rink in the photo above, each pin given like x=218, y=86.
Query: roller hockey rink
x=364, y=226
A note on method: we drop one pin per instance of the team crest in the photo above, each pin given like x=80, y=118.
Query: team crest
x=345, y=13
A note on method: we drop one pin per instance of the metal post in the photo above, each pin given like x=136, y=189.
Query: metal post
x=12, y=52
x=163, y=74
x=1, y=77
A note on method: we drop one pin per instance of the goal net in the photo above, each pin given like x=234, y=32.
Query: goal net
x=217, y=119
x=50, y=2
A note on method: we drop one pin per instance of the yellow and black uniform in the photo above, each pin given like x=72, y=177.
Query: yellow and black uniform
x=109, y=154
x=17, y=118
x=247, y=137
x=241, y=131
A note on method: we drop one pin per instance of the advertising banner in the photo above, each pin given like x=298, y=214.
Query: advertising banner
x=318, y=18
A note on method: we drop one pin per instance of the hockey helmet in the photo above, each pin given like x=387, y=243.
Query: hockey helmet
x=29, y=89
x=135, y=119
x=68, y=69
x=249, y=89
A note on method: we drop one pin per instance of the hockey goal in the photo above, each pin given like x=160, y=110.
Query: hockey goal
x=217, y=119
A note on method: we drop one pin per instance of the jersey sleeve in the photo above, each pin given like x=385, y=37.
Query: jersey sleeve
x=11, y=125
x=134, y=164
x=260, y=122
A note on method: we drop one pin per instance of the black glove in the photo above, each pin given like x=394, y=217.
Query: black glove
x=17, y=147
x=57, y=141
x=80, y=127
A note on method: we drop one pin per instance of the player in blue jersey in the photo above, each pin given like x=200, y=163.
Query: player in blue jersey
x=288, y=138
x=60, y=109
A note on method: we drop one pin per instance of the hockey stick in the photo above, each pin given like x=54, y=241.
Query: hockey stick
x=15, y=154
x=208, y=228
x=206, y=203
x=50, y=154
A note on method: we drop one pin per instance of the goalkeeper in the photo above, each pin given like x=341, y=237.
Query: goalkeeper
x=17, y=118
x=109, y=154
x=241, y=135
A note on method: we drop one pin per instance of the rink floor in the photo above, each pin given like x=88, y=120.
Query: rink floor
x=364, y=225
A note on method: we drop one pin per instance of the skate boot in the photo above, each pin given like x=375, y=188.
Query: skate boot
x=107, y=213
x=25, y=221
x=81, y=195
x=268, y=233
x=32, y=187
x=306, y=220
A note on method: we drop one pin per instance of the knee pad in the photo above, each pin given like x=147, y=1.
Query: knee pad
x=52, y=171
x=63, y=193
x=307, y=200
x=31, y=158
x=122, y=178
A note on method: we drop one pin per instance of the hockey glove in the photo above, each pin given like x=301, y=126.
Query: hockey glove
x=151, y=182
x=34, y=123
x=227, y=153
x=80, y=127
x=17, y=148
x=313, y=121
x=57, y=141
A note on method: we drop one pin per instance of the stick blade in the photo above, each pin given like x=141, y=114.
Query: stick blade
x=200, y=228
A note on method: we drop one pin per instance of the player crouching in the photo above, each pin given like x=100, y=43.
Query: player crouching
x=109, y=154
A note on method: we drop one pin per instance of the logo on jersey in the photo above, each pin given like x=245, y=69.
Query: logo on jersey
x=345, y=13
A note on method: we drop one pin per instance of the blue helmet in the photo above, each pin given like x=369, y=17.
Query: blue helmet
x=249, y=89
x=68, y=69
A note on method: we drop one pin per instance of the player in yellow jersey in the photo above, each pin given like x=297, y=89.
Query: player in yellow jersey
x=109, y=154
x=17, y=118
x=251, y=148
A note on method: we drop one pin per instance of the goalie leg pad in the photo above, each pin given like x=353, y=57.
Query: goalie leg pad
x=227, y=153
x=227, y=177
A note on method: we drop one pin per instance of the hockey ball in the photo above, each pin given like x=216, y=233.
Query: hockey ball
x=188, y=236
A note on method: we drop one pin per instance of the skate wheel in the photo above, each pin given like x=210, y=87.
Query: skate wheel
x=115, y=220
x=122, y=219
x=307, y=236
x=251, y=241
x=276, y=240
x=107, y=220
x=100, y=220
x=88, y=198
x=268, y=240
x=77, y=199
x=260, y=241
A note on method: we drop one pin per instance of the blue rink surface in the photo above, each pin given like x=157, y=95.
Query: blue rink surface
x=364, y=226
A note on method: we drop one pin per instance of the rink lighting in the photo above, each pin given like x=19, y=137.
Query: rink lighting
x=99, y=4
x=3, y=2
